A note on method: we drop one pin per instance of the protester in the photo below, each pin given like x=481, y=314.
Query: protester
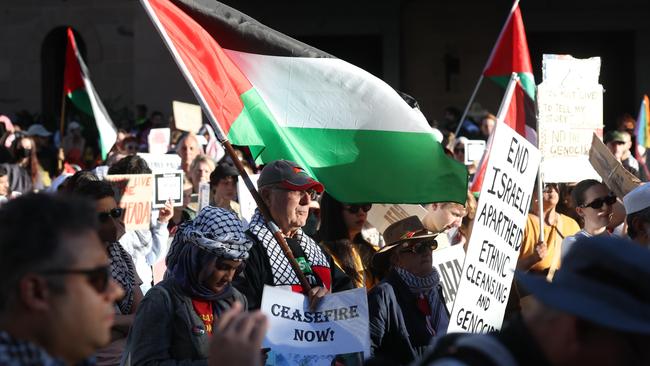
x=461, y=235
x=542, y=257
x=185, y=212
x=188, y=149
x=595, y=312
x=619, y=143
x=287, y=190
x=56, y=294
x=175, y=320
x=637, y=206
x=200, y=170
x=342, y=235
x=594, y=202
x=441, y=218
x=24, y=169
x=122, y=269
x=73, y=144
x=223, y=187
x=406, y=309
x=146, y=247
x=487, y=125
x=45, y=152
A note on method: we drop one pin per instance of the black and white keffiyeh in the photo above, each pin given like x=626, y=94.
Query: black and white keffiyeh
x=122, y=271
x=283, y=273
x=437, y=319
x=14, y=352
x=215, y=230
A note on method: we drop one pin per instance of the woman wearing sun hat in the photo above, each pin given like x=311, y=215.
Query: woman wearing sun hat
x=406, y=309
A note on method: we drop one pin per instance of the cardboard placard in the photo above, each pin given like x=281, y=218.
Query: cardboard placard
x=133, y=193
x=187, y=116
x=570, y=110
x=381, y=215
x=497, y=234
x=158, y=140
x=168, y=186
x=299, y=336
x=613, y=174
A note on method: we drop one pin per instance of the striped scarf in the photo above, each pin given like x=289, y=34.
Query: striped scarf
x=426, y=289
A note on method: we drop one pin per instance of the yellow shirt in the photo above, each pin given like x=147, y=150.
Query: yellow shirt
x=553, y=236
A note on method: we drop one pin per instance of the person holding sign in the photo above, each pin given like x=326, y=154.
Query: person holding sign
x=542, y=257
x=594, y=203
x=176, y=317
x=287, y=190
x=595, y=312
x=407, y=308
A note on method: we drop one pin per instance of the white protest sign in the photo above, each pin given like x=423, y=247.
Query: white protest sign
x=187, y=116
x=497, y=234
x=381, y=215
x=168, y=186
x=339, y=326
x=570, y=110
x=449, y=264
x=247, y=204
x=158, y=140
x=162, y=162
x=474, y=150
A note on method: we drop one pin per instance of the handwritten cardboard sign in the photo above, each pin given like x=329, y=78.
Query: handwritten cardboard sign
x=381, y=215
x=497, y=234
x=133, y=193
x=615, y=176
x=158, y=140
x=187, y=116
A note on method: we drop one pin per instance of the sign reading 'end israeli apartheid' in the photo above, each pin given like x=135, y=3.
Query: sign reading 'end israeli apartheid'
x=298, y=335
x=497, y=234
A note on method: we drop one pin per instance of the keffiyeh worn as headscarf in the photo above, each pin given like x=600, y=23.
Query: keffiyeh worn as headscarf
x=215, y=234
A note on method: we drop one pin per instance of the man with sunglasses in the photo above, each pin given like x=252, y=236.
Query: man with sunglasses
x=56, y=295
x=287, y=190
x=406, y=309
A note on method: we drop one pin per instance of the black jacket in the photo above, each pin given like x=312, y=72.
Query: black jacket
x=398, y=333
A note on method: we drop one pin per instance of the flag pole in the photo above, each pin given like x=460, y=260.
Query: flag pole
x=221, y=136
x=471, y=100
x=480, y=79
x=59, y=163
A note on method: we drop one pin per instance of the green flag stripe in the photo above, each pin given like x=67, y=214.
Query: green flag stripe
x=81, y=100
x=527, y=82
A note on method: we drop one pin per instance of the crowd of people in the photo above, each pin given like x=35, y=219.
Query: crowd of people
x=76, y=287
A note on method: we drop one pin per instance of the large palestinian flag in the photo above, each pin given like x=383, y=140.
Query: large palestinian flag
x=287, y=100
x=80, y=90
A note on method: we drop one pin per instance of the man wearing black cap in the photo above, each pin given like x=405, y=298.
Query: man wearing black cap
x=595, y=312
x=287, y=190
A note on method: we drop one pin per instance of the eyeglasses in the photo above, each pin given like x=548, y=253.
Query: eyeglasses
x=98, y=277
x=313, y=195
x=355, y=208
x=420, y=247
x=598, y=202
x=115, y=213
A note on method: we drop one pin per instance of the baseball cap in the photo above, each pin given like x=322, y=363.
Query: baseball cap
x=616, y=136
x=38, y=130
x=604, y=280
x=288, y=175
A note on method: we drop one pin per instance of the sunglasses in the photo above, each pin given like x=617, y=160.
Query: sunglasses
x=598, y=202
x=115, y=213
x=420, y=247
x=355, y=208
x=98, y=278
x=313, y=195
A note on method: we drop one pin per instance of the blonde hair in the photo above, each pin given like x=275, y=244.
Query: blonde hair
x=201, y=158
